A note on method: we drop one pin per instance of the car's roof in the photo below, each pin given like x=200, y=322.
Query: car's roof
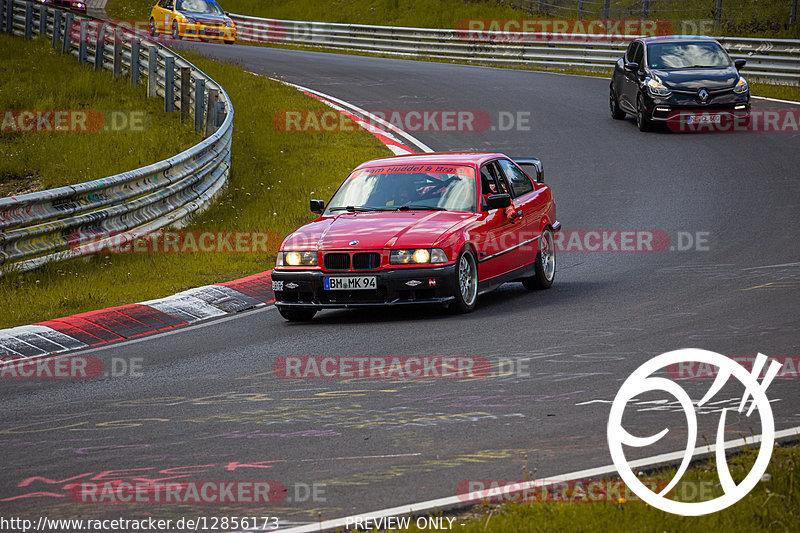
x=679, y=38
x=448, y=158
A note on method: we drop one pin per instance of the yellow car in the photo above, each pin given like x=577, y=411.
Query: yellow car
x=201, y=19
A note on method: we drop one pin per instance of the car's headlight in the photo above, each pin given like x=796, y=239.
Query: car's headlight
x=229, y=24
x=296, y=258
x=417, y=256
x=657, y=88
x=741, y=86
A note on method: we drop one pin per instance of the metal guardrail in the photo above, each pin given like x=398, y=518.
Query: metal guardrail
x=768, y=60
x=67, y=221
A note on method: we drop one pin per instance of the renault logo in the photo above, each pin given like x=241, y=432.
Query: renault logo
x=353, y=243
x=703, y=94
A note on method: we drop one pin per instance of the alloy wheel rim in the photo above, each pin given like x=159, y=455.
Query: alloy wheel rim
x=548, y=253
x=466, y=279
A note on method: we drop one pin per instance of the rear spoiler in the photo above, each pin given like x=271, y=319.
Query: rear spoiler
x=531, y=165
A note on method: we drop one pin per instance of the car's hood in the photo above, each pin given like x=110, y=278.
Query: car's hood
x=206, y=18
x=693, y=79
x=375, y=231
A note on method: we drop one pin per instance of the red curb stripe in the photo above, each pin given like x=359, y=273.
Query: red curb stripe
x=79, y=322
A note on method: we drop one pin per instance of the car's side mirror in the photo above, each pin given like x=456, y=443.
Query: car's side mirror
x=317, y=206
x=498, y=201
x=632, y=66
x=227, y=14
x=739, y=63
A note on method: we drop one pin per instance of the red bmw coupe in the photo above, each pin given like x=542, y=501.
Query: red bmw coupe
x=437, y=228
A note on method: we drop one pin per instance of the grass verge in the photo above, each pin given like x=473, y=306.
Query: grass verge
x=273, y=176
x=771, y=506
x=34, y=76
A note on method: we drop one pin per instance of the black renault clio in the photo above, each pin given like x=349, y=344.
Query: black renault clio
x=663, y=77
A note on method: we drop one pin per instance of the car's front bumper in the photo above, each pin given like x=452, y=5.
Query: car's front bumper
x=207, y=31
x=401, y=286
x=726, y=103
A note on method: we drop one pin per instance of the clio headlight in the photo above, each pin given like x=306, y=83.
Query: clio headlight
x=416, y=256
x=657, y=88
x=741, y=86
x=296, y=258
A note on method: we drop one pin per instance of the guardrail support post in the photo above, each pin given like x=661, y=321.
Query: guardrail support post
x=9, y=16
x=211, y=112
x=100, y=48
x=169, y=84
x=28, y=20
x=580, y=9
x=645, y=8
x=117, y=55
x=199, y=101
x=135, y=46
x=56, y=28
x=186, y=88
x=793, y=14
x=219, y=115
x=718, y=13
x=606, y=8
x=152, y=71
x=67, y=48
x=43, y=14
x=82, y=44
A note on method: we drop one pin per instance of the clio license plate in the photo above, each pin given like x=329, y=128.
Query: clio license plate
x=351, y=283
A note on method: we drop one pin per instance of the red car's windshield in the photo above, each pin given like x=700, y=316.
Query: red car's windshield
x=400, y=187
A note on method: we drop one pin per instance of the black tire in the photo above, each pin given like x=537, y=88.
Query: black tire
x=152, y=28
x=465, y=283
x=176, y=34
x=545, y=265
x=613, y=103
x=231, y=41
x=297, y=314
x=642, y=121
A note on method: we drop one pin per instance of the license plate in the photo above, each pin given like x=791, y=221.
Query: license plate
x=212, y=31
x=704, y=119
x=351, y=283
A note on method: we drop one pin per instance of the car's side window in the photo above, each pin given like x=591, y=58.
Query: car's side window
x=168, y=4
x=629, y=53
x=638, y=53
x=519, y=181
x=491, y=182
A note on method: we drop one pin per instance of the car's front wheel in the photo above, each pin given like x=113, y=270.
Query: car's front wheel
x=642, y=121
x=466, y=283
x=175, y=33
x=613, y=102
x=545, y=267
x=152, y=27
x=297, y=314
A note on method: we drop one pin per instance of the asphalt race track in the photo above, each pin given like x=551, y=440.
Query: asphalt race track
x=208, y=407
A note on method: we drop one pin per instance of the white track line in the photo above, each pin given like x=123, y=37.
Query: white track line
x=374, y=118
x=462, y=499
x=792, y=102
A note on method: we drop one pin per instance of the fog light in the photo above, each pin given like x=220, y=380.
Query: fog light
x=661, y=108
x=740, y=106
